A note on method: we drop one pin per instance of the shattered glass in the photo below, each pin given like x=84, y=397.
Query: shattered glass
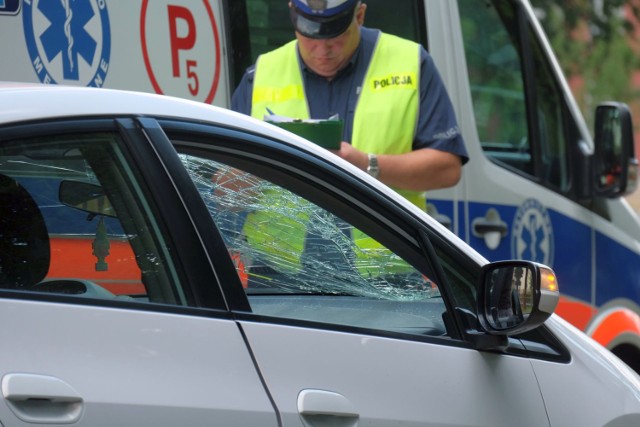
x=282, y=243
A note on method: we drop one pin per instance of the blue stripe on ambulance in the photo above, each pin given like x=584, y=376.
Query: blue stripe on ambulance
x=570, y=245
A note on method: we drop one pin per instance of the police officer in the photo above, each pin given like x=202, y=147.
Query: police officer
x=399, y=122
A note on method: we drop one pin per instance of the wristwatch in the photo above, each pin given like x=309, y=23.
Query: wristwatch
x=372, y=167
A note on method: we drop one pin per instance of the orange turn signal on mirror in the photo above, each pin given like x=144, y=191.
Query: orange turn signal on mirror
x=548, y=281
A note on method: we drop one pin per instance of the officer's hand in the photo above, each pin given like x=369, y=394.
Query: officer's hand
x=351, y=154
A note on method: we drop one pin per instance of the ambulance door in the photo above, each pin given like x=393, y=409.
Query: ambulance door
x=526, y=141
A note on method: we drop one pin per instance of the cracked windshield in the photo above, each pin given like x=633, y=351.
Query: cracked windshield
x=282, y=243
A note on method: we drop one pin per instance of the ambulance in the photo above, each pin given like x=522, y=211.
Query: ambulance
x=540, y=184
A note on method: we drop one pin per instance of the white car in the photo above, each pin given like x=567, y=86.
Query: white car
x=165, y=262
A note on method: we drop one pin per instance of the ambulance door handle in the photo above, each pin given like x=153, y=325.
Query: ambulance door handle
x=491, y=228
x=41, y=399
x=482, y=227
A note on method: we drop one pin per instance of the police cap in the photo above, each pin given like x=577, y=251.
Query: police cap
x=322, y=19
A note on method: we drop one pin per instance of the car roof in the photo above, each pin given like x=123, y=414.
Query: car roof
x=23, y=102
x=20, y=102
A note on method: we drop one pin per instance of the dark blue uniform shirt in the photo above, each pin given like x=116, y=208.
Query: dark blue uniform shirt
x=437, y=125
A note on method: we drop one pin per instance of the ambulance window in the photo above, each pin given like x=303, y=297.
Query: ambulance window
x=554, y=169
x=407, y=19
x=515, y=101
x=497, y=86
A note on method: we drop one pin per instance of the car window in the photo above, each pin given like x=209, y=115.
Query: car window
x=76, y=221
x=297, y=260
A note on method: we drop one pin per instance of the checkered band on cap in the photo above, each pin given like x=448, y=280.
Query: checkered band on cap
x=323, y=8
x=322, y=19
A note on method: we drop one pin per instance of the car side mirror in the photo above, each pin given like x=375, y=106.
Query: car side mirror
x=615, y=166
x=516, y=296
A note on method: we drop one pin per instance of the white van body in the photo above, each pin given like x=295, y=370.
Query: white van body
x=529, y=191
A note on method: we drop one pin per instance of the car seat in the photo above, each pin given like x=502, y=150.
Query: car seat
x=24, y=241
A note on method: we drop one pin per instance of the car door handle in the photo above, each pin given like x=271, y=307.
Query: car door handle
x=324, y=408
x=41, y=399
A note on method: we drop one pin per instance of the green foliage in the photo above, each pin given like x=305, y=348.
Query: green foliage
x=593, y=44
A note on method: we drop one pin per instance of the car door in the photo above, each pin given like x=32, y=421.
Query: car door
x=110, y=311
x=350, y=300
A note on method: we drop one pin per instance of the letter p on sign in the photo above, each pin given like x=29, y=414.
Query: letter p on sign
x=184, y=41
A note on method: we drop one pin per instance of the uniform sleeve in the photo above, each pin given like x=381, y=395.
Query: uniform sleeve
x=437, y=125
x=241, y=98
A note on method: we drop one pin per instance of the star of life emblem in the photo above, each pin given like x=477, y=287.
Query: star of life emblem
x=532, y=233
x=69, y=41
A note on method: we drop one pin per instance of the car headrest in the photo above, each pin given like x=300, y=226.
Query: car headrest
x=24, y=241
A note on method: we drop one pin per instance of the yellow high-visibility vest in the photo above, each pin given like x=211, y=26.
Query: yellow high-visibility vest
x=386, y=114
x=384, y=123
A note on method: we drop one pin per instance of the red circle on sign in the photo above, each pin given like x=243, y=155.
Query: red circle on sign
x=147, y=62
